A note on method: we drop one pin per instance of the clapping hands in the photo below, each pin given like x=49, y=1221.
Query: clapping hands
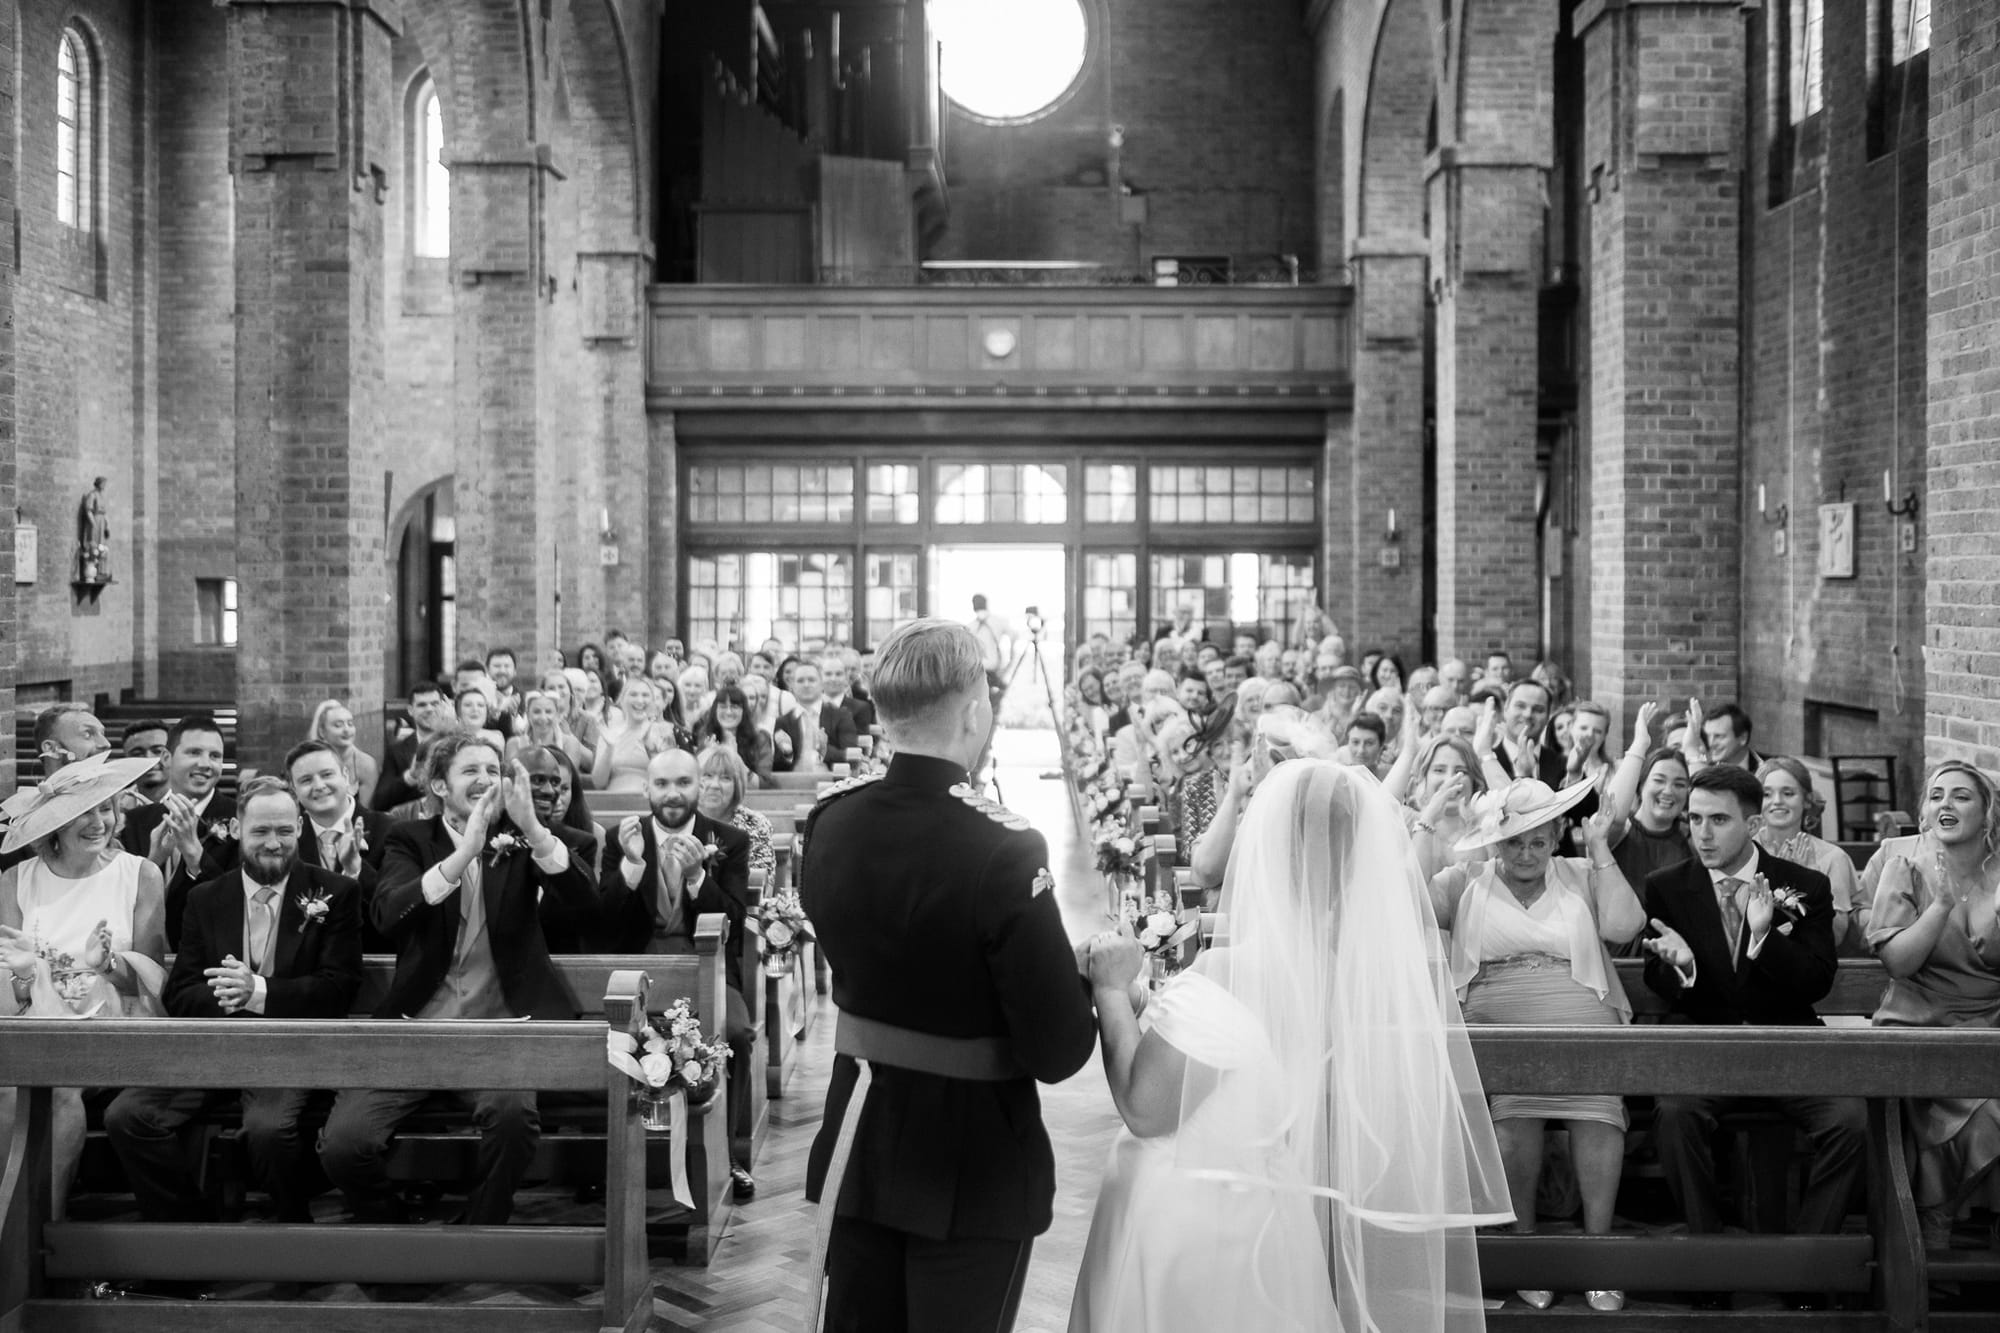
x=1668, y=946
x=17, y=954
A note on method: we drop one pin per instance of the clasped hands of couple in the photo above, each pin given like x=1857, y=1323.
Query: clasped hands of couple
x=1760, y=910
x=1111, y=961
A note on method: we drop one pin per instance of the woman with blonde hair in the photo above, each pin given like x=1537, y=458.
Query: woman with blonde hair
x=333, y=724
x=1791, y=821
x=1934, y=926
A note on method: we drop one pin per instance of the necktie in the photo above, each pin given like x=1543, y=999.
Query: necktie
x=1732, y=914
x=471, y=909
x=329, y=850
x=670, y=891
x=263, y=930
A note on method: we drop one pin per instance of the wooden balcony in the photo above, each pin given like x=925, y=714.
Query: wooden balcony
x=718, y=347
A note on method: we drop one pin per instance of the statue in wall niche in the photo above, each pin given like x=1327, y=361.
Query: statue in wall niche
x=93, y=536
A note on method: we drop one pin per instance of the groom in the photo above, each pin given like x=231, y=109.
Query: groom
x=958, y=991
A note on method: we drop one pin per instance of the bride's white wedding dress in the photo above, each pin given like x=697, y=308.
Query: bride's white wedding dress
x=1333, y=1151
x=1172, y=1250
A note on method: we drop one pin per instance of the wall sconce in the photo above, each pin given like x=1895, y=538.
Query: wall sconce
x=1390, y=532
x=1908, y=504
x=1781, y=518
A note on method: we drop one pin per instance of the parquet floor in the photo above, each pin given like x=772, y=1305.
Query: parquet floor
x=757, y=1282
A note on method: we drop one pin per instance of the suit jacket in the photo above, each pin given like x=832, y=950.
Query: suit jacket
x=426, y=934
x=859, y=710
x=1792, y=972
x=219, y=853
x=565, y=928
x=390, y=788
x=628, y=914
x=836, y=727
x=316, y=965
x=375, y=828
x=934, y=911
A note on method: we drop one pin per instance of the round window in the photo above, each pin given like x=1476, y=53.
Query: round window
x=1010, y=60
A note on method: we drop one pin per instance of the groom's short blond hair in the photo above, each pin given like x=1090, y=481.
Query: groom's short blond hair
x=922, y=669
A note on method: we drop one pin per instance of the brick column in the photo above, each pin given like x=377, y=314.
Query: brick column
x=1961, y=509
x=1664, y=82
x=1486, y=206
x=310, y=129
x=507, y=487
x=660, y=555
x=613, y=286
x=1388, y=464
x=10, y=624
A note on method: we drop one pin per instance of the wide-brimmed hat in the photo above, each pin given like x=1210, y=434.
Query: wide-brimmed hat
x=1333, y=671
x=1522, y=804
x=73, y=790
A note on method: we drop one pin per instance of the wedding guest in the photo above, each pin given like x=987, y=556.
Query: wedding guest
x=146, y=739
x=430, y=711
x=542, y=728
x=1933, y=925
x=820, y=734
x=672, y=867
x=82, y=922
x=724, y=779
x=1448, y=780
x=837, y=688
x=475, y=713
x=459, y=894
x=578, y=725
x=1387, y=673
x=728, y=723
x=187, y=834
x=694, y=693
x=274, y=938
x=1744, y=937
x=65, y=733
x=1648, y=796
x=559, y=805
x=339, y=835
x=500, y=672
x=590, y=657
x=1528, y=935
x=640, y=734
x=333, y=725
x=1791, y=820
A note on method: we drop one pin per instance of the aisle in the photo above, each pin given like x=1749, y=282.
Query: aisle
x=758, y=1281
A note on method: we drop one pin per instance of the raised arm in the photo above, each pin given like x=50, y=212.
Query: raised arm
x=1144, y=1071
x=1622, y=794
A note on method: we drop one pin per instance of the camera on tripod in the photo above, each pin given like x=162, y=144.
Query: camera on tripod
x=1034, y=615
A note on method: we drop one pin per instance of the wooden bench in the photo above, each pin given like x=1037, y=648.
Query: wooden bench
x=41, y=1054
x=1881, y=1065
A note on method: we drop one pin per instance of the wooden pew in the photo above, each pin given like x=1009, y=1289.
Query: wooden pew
x=41, y=1054
x=1882, y=1065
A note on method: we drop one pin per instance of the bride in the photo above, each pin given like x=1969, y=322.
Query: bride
x=1307, y=1144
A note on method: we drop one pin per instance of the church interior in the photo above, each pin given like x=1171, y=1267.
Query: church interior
x=343, y=341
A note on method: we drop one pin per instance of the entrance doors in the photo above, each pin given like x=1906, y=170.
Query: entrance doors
x=1026, y=587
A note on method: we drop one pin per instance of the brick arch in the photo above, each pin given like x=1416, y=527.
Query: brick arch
x=1333, y=220
x=597, y=49
x=1395, y=123
x=483, y=56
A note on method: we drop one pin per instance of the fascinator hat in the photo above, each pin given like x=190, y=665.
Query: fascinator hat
x=70, y=792
x=1512, y=810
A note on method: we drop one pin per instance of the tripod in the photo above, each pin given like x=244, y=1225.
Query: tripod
x=1033, y=654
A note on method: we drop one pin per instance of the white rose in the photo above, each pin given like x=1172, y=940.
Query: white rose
x=778, y=935
x=1125, y=845
x=692, y=1072
x=1161, y=924
x=657, y=1068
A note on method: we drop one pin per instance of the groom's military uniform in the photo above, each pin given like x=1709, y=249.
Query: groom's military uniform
x=933, y=906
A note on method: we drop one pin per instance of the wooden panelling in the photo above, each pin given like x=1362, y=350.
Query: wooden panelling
x=1261, y=346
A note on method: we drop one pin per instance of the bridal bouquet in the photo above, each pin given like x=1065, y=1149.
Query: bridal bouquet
x=780, y=922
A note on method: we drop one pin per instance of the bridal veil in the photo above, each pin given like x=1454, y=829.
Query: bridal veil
x=1363, y=1094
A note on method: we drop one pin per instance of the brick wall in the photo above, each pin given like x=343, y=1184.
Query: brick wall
x=1962, y=503
x=9, y=614
x=77, y=363
x=195, y=265
x=1664, y=96
x=1216, y=101
x=1834, y=284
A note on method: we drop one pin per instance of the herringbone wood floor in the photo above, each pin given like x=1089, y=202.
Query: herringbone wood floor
x=757, y=1283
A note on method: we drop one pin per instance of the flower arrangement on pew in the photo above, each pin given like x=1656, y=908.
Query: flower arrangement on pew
x=1163, y=931
x=781, y=924
x=680, y=1069
x=1117, y=851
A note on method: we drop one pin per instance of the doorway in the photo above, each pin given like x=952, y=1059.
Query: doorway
x=1026, y=586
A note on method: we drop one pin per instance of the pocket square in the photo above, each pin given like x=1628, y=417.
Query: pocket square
x=1785, y=929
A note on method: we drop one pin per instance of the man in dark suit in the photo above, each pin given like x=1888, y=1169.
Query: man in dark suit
x=934, y=909
x=1519, y=747
x=430, y=712
x=274, y=938
x=338, y=835
x=188, y=833
x=824, y=732
x=670, y=868
x=1745, y=937
x=459, y=896
x=837, y=688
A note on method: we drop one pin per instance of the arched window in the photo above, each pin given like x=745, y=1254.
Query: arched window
x=433, y=178
x=76, y=137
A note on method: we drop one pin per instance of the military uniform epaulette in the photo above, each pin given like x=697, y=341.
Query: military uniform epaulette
x=840, y=789
x=993, y=810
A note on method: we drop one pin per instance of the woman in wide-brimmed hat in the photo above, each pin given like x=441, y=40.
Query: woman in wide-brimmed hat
x=82, y=924
x=1528, y=934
